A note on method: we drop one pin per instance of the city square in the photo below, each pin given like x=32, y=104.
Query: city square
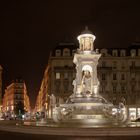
x=86, y=91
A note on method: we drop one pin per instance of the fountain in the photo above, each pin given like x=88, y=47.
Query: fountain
x=86, y=106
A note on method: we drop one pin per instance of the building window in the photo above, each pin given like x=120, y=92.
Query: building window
x=114, y=100
x=123, y=88
x=133, y=88
x=122, y=77
x=138, y=112
x=65, y=75
x=133, y=75
x=123, y=65
x=21, y=86
x=103, y=76
x=73, y=52
x=122, y=53
x=73, y=75
x=104, y=52
x=103, y=64
x=57, y=86
x=66, y=52
x=114, y=76
x=103, y=89
x=133, y=53
x=57, y=75
x=132, y=113
x=133, y=64
x=57, y=101
x=123, y=100
x=114, y=65
x=114, y=89
x=115, y=53
x=66, y=85
x=58, y=53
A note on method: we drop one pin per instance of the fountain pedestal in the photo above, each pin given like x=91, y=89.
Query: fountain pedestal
x=86, y=105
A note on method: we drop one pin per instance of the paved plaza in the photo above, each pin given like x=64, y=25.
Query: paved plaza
x=16, y=130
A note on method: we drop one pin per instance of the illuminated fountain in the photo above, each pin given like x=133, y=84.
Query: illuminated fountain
x=86, y=105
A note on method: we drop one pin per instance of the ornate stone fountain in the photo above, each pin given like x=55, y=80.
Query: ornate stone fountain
x=86, y=105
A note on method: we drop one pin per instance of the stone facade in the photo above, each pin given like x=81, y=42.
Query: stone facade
x=42, y=98
x=57, y=85
x=118, y=74
x=15, y=93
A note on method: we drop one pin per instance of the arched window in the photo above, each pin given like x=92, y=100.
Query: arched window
x=114, y=64
x=87, y=67
x=58, y=53
x=122, y=53
x=104, y=52
x=133, y=53
x=66, y=52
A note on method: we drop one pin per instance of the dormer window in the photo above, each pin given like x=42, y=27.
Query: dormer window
x=115, y=53
x=104, y=52
x=133, y=53
x=66, y=52
x=73, y=52
x=122, y=53
x=58, y=53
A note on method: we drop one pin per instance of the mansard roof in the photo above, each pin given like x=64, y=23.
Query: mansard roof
x=135, y=46
x=62, y=46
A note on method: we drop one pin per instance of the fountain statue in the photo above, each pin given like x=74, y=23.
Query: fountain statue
x=86, y=105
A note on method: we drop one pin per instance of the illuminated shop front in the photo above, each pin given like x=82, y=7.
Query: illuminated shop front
x=133, y=113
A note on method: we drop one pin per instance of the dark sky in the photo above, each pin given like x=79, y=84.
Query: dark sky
x=30, y=29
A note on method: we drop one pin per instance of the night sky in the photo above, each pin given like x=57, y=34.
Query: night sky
x=30, y=29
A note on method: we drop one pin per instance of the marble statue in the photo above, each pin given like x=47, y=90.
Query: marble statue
x=86, y=82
